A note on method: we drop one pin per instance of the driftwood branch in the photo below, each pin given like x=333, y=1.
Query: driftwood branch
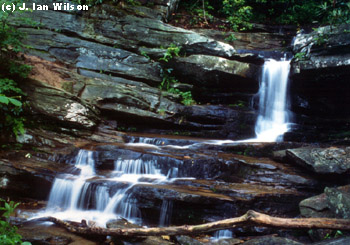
x=251, y=218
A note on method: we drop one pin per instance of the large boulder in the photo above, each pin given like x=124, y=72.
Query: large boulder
x=333, y=160
x=333, y=203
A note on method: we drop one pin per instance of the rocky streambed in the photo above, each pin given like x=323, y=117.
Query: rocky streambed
x=94, y=93
x=202, y=181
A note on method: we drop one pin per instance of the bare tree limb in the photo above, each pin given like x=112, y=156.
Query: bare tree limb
x=204, y=16
x=251, y=218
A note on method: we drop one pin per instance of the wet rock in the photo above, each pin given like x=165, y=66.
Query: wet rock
x=186, y=240
x=338, y=202
x=217, y=72
x=225, y=241
x=48, y=234
x=319, y=88
x=322, y=160
x=51, y=105
x=99, y=56
x=337, y=241
x=271, y=240
x=333, y=203
x=256, y=40
x=25, y=177
x=138, y=101
x=209, y=200
x=223, y=121
x=111, y=25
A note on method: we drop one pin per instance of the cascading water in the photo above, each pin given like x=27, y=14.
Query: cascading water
x=87, y=195
x=165, y=213
x=222, y=234
x=273, y=119
x=91, y=196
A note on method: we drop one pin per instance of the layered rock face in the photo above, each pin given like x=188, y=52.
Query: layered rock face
x=110, y=55
x=320, y=82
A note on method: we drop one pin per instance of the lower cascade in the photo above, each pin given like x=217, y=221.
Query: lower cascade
x=90, y=196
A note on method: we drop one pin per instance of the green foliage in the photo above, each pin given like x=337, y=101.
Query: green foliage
x=300, y=56
x=171, y=52
x=143, y=53
x=238, y=14
x=168, y=80
x=201, y=10
x=133, y=2
x=320, y=37
x=11, y=107
x=334, y=14
x=239, y=104
x=167, y=84
x=231, y=38
x=8, y=233
x=11, y=120
x=241, y=13
x=333, y=234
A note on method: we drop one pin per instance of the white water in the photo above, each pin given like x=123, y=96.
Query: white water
x=273, y=119
x=72, y=196
x=222, y=234
x=165, y=213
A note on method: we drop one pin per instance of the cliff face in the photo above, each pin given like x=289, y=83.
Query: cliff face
x=320, y=85
x=109, y=57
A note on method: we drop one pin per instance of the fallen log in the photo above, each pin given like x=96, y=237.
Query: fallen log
x=251, y=218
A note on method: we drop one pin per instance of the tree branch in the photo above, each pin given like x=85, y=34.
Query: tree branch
x=251, y=218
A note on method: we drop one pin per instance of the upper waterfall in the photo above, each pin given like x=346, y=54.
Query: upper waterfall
x=273, y=119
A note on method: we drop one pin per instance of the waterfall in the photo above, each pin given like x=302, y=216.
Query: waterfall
x=89, y=195
x=165, y=213
x=222, y=234
x=67, y=189
x=273, y=118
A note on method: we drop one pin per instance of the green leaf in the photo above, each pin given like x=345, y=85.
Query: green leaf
x=15, y=102
x=4, y=99
x=26, y=243
x=7, y=206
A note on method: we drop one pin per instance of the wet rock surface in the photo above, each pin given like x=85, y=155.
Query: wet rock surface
x=333, y=203
x=271, y=240
x=217, y=72
x=49, y=234
x=49, y=104
x=319, y=83
x=333, y=160
x=99, y=57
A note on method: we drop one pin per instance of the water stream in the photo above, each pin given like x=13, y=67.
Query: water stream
x=273, y=119
x=101, y=197
x=90, y=196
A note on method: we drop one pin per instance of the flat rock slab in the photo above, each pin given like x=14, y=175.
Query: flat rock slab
x=332, y=160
